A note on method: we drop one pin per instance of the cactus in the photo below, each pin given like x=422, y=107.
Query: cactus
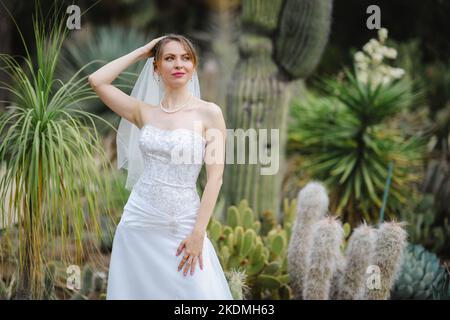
x=387, y=255
x=420, y=274
x=352, y=280
x=243, y=246
x=274, y=41
x=322, y=259
x=298, y=53
x=93, y=285
x=328, y=266
x=312, y=206
x=337, y=276
x=237, y=283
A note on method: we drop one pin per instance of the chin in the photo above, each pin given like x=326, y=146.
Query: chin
x=177, y=84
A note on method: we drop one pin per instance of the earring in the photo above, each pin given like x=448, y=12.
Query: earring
x=155, y=78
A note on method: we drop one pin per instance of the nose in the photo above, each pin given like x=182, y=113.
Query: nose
x=178, y=64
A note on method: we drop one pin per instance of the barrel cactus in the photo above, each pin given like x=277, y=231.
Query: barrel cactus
x=421, y=274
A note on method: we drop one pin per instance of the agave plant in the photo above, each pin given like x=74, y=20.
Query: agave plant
x=421, y=275
x=55, y=165
x=347, y=143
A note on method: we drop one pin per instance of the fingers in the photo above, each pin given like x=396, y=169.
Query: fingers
x=183, y=261
x=180, y=247
x=186, y=268
x=194, y=260
x=189, y=262
x=200, y=261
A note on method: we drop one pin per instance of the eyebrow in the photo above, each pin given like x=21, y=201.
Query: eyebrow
x=172, y=54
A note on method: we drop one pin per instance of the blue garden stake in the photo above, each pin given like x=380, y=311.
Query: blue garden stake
x=386, y=191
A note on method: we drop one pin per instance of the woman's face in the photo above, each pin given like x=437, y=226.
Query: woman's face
x=176, y=66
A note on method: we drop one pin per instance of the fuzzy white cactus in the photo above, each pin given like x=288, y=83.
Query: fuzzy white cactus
x=358, y=254
x=237, y=283
x=317, y=267
x=337, y=276
x=387, y=256
x=322, y=259
x=312, y=206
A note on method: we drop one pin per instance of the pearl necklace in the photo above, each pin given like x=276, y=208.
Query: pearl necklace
x=176, y=109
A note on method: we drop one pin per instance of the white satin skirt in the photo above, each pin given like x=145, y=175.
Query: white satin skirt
x=144, y=264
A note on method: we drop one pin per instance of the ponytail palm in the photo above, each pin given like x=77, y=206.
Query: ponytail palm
x=55, y=164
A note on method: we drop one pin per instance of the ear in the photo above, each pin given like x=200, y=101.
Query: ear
x=155, y=69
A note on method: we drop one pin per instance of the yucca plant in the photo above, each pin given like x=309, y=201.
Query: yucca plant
x=347, y=142
x=55, y=165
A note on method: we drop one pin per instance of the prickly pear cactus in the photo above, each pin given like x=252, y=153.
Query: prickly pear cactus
x=241, y=245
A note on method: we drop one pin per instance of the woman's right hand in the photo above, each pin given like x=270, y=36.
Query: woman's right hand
x=147, y=49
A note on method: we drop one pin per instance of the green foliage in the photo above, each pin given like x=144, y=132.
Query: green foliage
x=54, y=160
x=422, y=226
x=94, y=49
x=443, y=292
x=241, y=245
x=347, y=144
x=421, y=274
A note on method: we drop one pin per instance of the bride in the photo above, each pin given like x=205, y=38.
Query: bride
x=161, y=249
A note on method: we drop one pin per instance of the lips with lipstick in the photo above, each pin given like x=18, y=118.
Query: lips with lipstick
x=178, y=74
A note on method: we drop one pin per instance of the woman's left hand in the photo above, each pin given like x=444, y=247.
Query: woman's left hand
x=192, y=247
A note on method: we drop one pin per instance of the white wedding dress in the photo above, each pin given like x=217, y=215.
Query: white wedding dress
x=160, y=213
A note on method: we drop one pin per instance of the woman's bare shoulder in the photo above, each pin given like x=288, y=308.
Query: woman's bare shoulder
x=211, y=113
x=207, y=108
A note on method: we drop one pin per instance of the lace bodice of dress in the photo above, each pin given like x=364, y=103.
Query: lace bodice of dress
x=172, y=163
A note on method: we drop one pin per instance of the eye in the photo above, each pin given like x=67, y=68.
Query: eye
x=169, y=58
x=187, y=57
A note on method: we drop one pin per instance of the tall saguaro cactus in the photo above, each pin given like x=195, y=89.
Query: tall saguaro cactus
x=281, y=41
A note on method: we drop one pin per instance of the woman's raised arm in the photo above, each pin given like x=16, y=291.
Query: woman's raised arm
x=118, y=101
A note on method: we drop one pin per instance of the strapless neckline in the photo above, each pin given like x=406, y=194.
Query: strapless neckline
x=174, y=130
